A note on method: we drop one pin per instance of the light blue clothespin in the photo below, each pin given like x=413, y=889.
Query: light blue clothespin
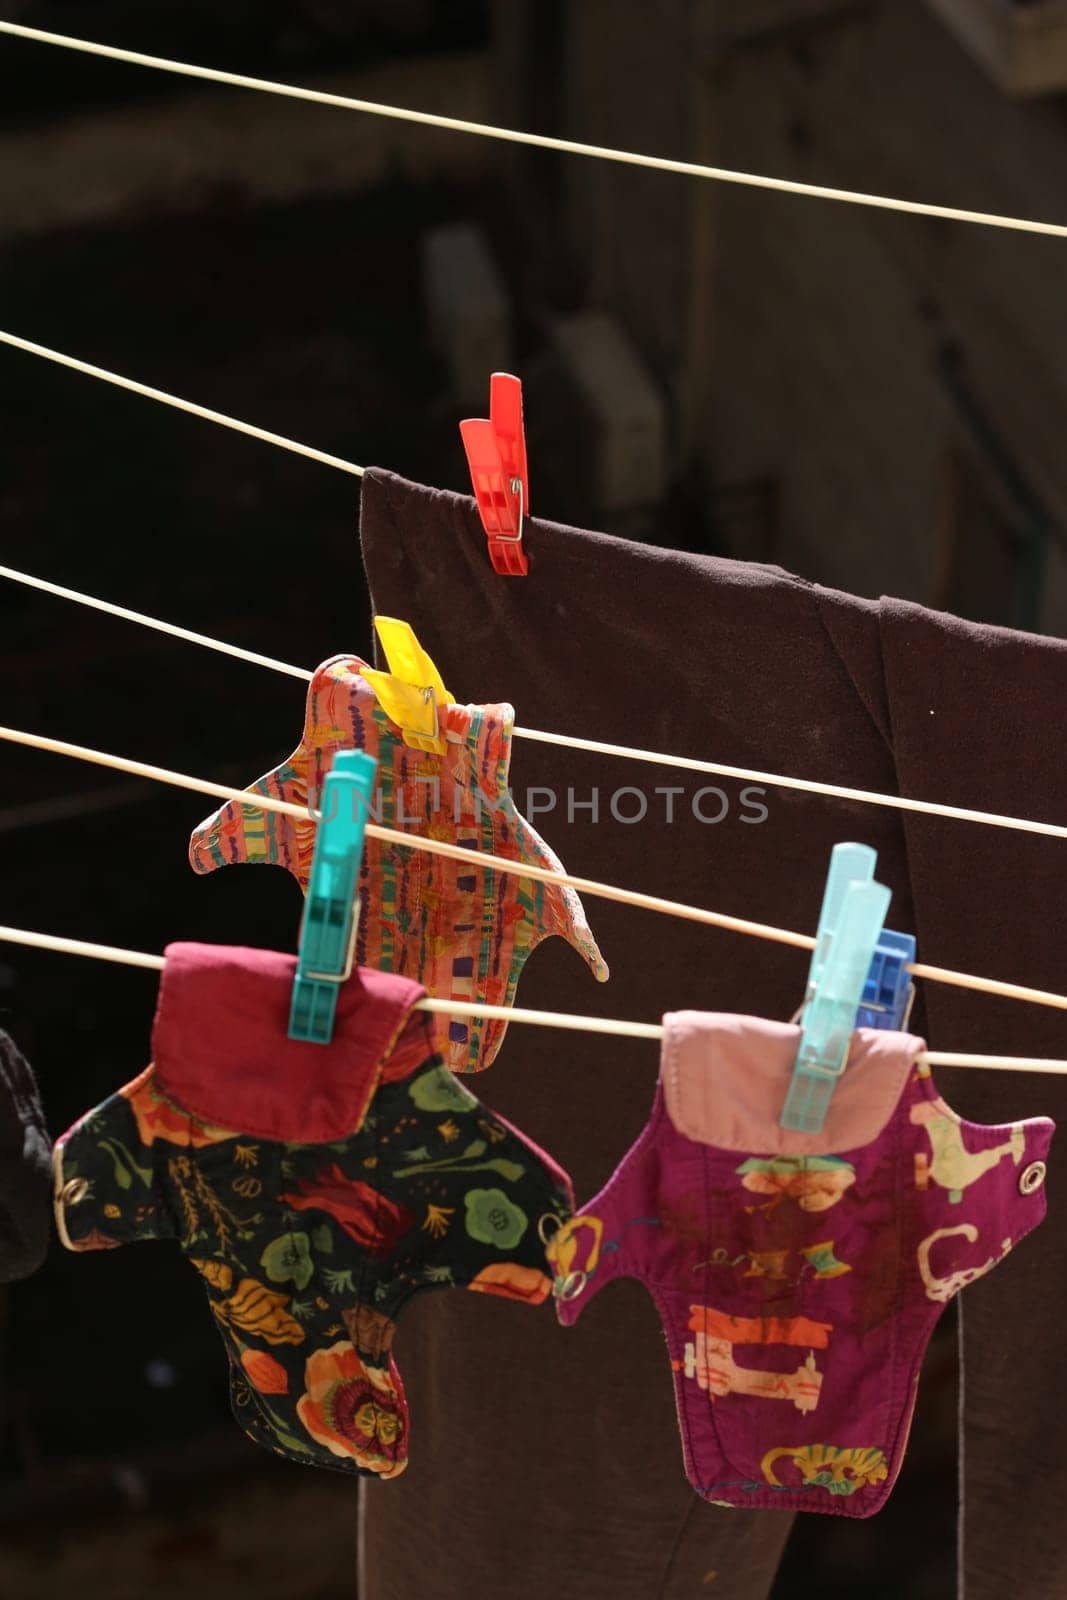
x=331, y=909
x=889, y=992
x=853, y=910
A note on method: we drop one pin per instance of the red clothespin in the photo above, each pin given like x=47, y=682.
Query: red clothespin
x=496, y=455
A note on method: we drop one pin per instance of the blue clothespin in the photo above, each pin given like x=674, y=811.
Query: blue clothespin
x=853, y=910
x=331, y=909
x=889, y=992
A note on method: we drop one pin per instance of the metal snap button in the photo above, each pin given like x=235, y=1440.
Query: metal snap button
x=572, y=1285
x=1032, y=1177
x=546, y=1233
x=73, y=1190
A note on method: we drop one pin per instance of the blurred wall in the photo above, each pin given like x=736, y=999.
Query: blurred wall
x=870, y=399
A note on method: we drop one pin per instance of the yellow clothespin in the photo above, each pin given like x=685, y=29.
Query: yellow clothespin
x=412, y=690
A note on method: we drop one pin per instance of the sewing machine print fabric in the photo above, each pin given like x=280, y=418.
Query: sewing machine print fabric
x=799, y=1276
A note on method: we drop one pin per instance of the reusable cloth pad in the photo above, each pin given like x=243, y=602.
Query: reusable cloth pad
x=463, y=932
x=25, y=1167
x=314, y=1188
x=799, y=1276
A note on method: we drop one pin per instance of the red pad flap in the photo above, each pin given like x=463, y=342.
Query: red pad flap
x=222, y=1050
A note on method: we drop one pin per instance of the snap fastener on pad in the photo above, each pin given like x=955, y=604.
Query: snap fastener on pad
x=572, y=1285
x=73, y=1190
x=1032, y=1177
x=546, y=1233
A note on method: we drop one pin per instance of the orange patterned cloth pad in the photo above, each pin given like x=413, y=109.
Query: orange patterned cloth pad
x=461, y=931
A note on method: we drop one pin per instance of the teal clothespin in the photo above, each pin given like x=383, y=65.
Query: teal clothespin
x=853, y=910
x=331, y=909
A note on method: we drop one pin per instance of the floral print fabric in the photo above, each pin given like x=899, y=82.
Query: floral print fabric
x=308, y=1250
x=464, y=932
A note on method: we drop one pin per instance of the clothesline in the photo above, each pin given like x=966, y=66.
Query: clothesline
x=569, y=741
x=585, y=886
x=148, y=393
x=693, y=169
x=544, y=1019
x=451, y=1008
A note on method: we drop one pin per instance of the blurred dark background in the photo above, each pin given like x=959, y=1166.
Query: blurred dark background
x=873, y=401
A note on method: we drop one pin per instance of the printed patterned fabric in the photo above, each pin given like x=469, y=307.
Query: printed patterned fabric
x=463, y=932
x=308, y=1248
x=799, y=1277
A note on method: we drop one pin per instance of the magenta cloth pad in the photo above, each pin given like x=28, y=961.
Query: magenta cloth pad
x=799, y=1276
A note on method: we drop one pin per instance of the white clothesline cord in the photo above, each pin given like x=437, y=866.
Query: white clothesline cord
x=127, y=615
x=596, y=746
x=586, y=886
x=809, y=786
x=440, y=847
x=194, y=410
x=543, y=1019
x=693, y=169
x=448, y=1008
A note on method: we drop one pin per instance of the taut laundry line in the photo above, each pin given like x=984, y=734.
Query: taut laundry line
x=693, y=169
x=439, y=847
x=451, y=1008
x=148, y=393
x=597, y=747
x=153, y=622
x=587, y=886
x=543, y=1019
x=657, y=758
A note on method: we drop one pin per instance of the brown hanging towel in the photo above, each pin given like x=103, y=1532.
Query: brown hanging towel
x=748, y=664
x=556, y=1466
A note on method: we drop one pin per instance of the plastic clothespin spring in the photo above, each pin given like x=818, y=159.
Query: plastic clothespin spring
x=331, y=909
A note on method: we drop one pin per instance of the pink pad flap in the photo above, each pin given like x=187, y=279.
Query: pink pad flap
x=725, y=1080
x=221, y=1045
